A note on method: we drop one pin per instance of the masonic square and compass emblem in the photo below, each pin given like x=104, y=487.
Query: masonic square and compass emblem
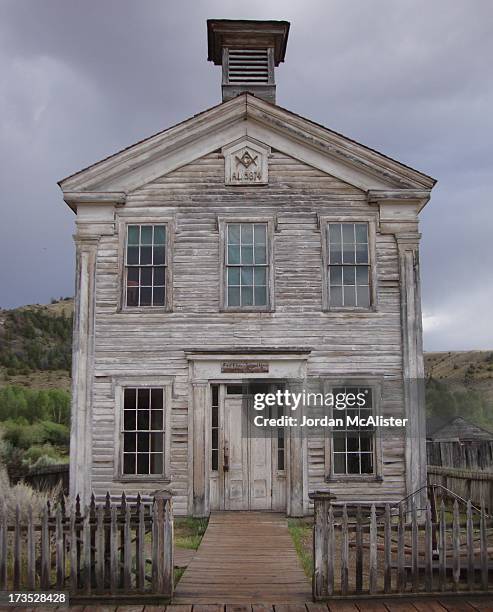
x=246, y=162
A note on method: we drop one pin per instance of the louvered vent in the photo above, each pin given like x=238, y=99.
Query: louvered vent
x=248, y=66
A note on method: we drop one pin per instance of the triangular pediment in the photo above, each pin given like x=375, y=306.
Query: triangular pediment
x=245, y=119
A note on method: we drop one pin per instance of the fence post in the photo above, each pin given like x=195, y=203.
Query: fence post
x=162, y=546
x=321, y=503
x=4, y=534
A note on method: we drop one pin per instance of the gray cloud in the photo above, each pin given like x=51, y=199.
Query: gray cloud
x=412, y=78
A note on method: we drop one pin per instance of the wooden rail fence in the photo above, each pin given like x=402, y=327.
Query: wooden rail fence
x=108, y=549
x=468, y=484
x=382, y=550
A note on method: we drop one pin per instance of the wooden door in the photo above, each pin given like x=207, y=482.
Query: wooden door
x=260, y=469
x=236, y=485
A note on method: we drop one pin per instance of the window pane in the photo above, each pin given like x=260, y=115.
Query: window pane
x=158, y=296
x=215, y=460
x=129, y=464
x=233, y=296
x=157, y=463
x=352, y=443
x=132, y=296
x=361, y=275
x=260, y=276
x=247, y=296
x=159, y=255
x=145, y=296
x=366, y=443
x=361, y=232
x=280, y=459
x=367, y=463
x=335, y=275
x=247, y=255
x=133, y=276
x=142, y=420
x=143, y=463
x=349, y=296
x=157, y=399
x=143, y=399
x=133, y=234
x=353, y=466
x=260, y=254
x=336, y=296
x=159, y=276
x=335, y=233
x=348, y=253
x=260, y=296
x=335, y=254
x=233, y=255
x=234, y=276
x=260, y=234
x=129, y=442
x=132, y=255
x=143, y=442
x=145, y=255
x=246, y=276
x=234, y=233
x=363, y=296
x=361, y=253
x=348, y=275
x=157, y=443
x=348, y=233
x=159, y=234
x=215, y=438
x=129, y=419
x=156, y=419
x=246, y=233
x=339, y=463
x=130, y=398
x=146, y=277
x=339, y=442
x=146, y=234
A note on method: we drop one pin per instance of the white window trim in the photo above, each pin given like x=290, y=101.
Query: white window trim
x=119, y=384
x=222, y=222
x=376, y=386
x=372, y=260
x=123, y=223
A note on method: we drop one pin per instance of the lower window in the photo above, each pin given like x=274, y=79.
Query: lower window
x=353, y=447
x=143, y=431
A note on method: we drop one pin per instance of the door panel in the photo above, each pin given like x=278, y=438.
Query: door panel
x=260, y=471
x=235, y=456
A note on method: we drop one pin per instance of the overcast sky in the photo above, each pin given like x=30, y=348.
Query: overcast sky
x=411, y=78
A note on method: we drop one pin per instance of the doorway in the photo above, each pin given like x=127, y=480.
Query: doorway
x=247, y=463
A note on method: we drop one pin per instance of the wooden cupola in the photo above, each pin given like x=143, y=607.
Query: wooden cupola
x=248, y=51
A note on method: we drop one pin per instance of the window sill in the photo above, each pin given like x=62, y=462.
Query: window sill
x=144, y=310
x=351, y=309
x=247, y=310
x=354, y=478
x=143, y=478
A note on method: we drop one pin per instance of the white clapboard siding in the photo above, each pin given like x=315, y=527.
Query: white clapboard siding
x=341, y=344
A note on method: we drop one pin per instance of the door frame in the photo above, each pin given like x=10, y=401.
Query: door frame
x=207, y=368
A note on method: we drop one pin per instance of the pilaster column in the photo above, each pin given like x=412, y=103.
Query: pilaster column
x=82, y=367
x=413, y=365
x=200, y=502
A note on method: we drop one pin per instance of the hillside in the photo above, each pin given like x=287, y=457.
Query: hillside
x=462, y=370
x=36, y=345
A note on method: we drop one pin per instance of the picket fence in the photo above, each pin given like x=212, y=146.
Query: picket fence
x=373, y=550
x=117, y=549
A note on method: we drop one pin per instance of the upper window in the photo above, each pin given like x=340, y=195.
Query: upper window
x=247, y=266
x=348, y=265
x=146, y=265
x=143, y=431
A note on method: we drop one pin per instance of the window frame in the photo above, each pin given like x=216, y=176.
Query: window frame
x=142, y=382
x=371, y=220
x=222, y=225
x=376, y=387
x=123, y=223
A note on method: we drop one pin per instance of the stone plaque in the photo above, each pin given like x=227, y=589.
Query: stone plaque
x=244, y=367
x=246, y=162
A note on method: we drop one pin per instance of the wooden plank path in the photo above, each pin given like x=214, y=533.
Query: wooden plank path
x=244, y=557
x=422, y=604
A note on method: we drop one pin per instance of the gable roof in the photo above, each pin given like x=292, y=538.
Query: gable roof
x=133, y=166
x=457, y=428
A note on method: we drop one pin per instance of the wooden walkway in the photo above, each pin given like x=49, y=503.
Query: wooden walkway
x=422, y=604
x=244, y=557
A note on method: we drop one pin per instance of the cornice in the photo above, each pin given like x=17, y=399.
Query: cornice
x=77, y=198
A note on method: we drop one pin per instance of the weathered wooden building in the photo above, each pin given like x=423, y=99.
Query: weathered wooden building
x=244, y=242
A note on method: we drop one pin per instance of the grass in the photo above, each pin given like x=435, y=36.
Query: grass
x=189, y=532
x=301, y=532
